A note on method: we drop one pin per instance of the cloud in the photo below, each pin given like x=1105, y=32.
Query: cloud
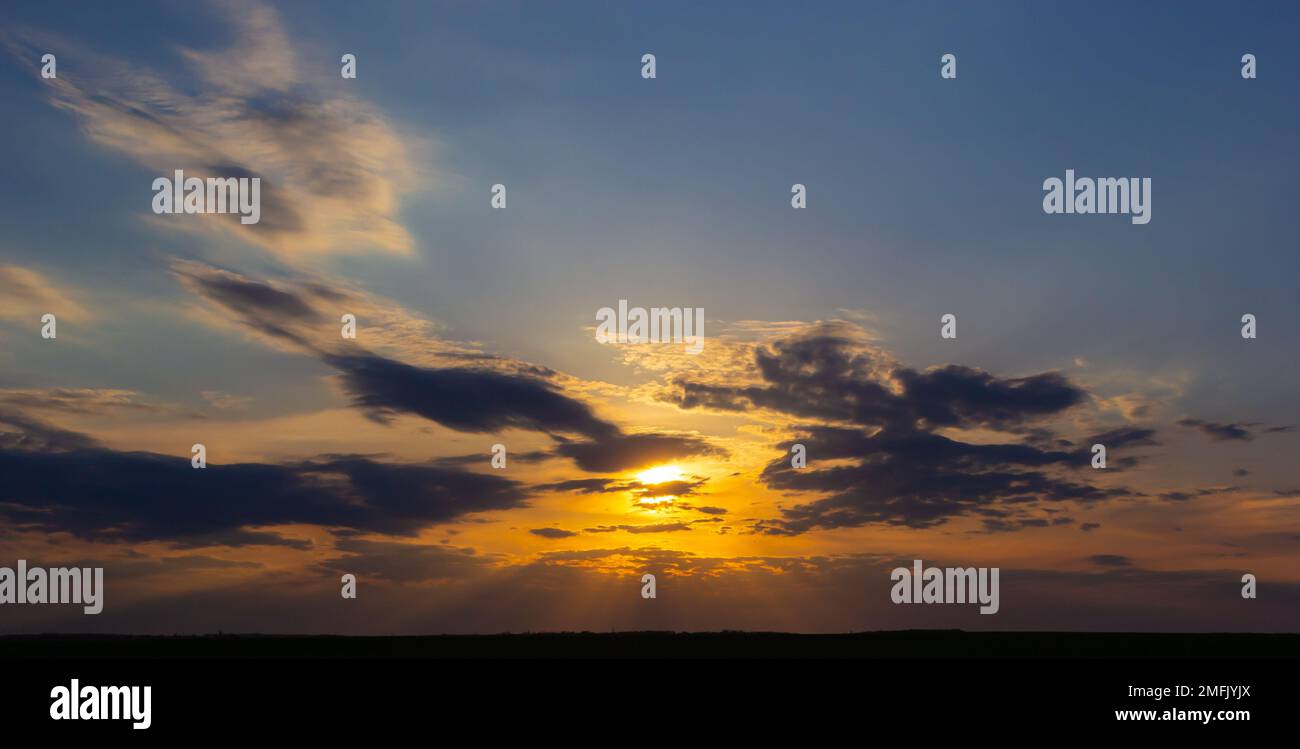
x=1234, y=432
x=302, y=314
x=647, y=528
x=28, y=295
x=621, y=452
x=656, y=528
x=706, y=509
x=1183, y=496
x=101, y=494
x=829, y=372
x=1110, y=560
x=1125, y=437
x=458, y=387
x=332, y=168
x=483, y=458
x=877, y=454
x=404, y=563
x=490, y=394
x=21, y=432
x=82, y=401
x=237, y=292
x=667, y=489
x=918, y=480
x=226, y=401
x=552, y=533
x=464, y=399
x=638, y=489
x=240, y=537
x=1219, y=432
x=583, y=486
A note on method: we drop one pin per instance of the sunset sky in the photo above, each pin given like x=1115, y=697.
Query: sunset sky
x=476, y=326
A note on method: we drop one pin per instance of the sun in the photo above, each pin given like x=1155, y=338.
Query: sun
x=654, y=477
x=660, y=474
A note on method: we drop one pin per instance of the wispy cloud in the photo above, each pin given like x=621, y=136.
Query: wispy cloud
x=28, y=294
x=333, y=168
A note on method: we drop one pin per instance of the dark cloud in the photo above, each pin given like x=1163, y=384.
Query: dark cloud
x=640, y=491
x=1110, y=560
x=961, y=396
x=240, y=537
x=20, y=432
x=483, y=400
x=266, y=309
x=623, y=452
x=254, y=298
x=1183, y=496
x=486, y=395
x=667, y=489
x=877, y=454
x=828, y=373
x=106, y=495
x=552, y=533
x=1236, y=431
x=1219, y=432
x=467, y=400
x=918, y=479
x=706, y=510
x=583, y=486
x=1125, y=437
x=485, y=458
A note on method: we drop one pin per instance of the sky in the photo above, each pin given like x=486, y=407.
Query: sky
x=372, y=457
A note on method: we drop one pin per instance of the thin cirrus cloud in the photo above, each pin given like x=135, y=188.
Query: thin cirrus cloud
x=28, y=295
x=78, y=401
x=332, y=168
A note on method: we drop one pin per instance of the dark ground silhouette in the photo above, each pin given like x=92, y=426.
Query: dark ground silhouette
x=896, y=644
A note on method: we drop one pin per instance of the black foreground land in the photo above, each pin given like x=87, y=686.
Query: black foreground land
x=946, y=644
